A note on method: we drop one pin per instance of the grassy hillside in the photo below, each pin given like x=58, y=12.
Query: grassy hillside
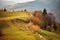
x=16, y=30
x=58, y=28
x=13, y=32
x=10, y=31
x=49, y=35
x=14, y=14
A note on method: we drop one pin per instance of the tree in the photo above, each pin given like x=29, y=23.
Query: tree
x=44, y=12
x=45, y=21
x=25, y=10
x=5, y=9
x=44, y=24
x=55, y=26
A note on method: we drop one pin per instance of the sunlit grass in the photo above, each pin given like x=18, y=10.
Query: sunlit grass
x=49, y=35
x=14, y=14
x=15, y=33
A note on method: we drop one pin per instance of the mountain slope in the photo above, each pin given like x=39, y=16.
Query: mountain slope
x=12, y=30
x=14, y=14
x=49, y=35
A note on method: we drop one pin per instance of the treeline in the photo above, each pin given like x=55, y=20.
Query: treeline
x=44, y=20
x=4, y=9
x=49, y=21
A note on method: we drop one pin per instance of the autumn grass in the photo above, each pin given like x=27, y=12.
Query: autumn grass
x=12, y=32
x=49, y=35
x=14, y=14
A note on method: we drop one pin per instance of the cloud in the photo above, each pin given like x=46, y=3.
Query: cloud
x=18, y=1
x=57, y=0
x=46, y=1
x=0, y=0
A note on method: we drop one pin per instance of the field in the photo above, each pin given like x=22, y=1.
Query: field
x=11, y=29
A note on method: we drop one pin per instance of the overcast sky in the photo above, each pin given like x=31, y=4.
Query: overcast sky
x=22, y=1
x=52, y=3
x=18, y=1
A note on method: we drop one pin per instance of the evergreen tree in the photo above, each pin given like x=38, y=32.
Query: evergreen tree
x=44, y=12
x=25, y=10
x=45, y=21
x=5, y=9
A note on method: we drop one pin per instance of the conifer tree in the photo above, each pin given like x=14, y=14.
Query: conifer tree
x=44, y=12
x=5, y=9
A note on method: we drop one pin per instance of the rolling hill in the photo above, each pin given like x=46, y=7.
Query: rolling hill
x=16, y=30
x=10, y=30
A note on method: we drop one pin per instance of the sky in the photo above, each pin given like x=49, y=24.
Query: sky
x=43, y=1
x=18, y=1
x=22, y=1
x=53, y=3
